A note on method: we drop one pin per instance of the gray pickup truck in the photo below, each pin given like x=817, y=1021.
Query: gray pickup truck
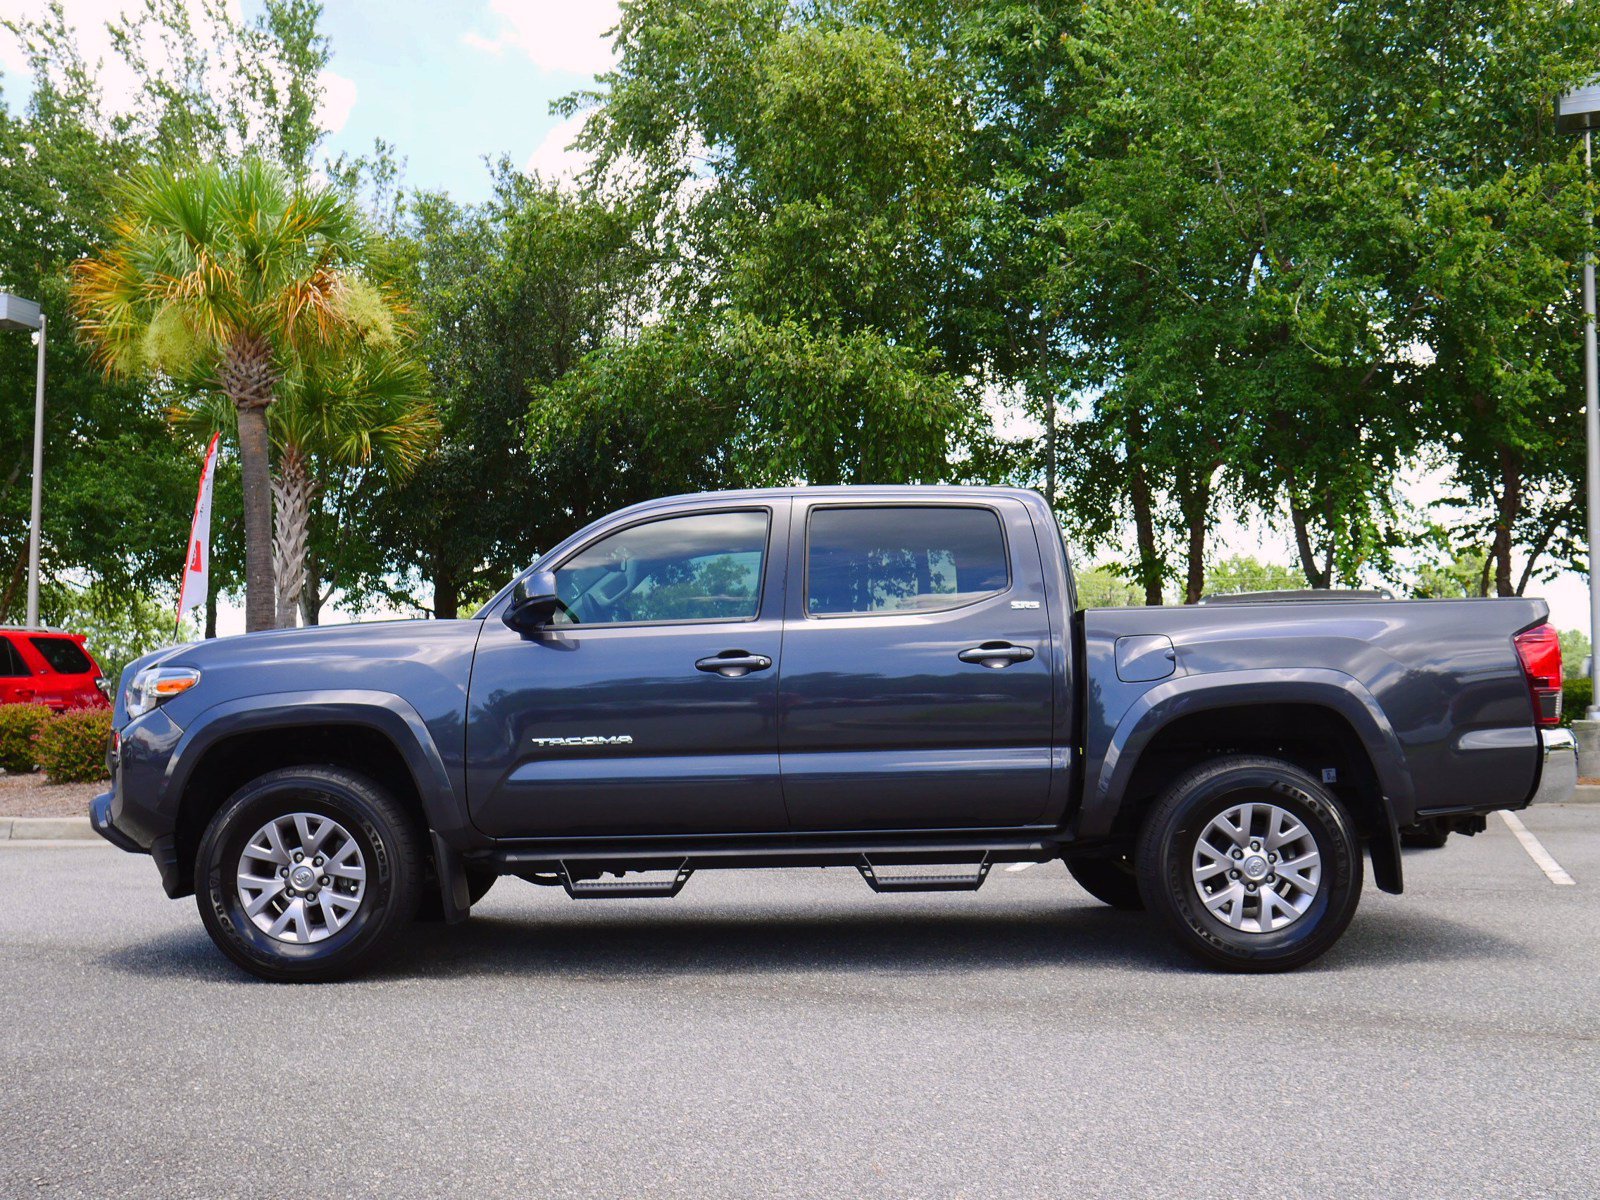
x=896, y=680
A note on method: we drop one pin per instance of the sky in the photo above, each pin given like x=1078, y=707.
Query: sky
x=454, y=84
x=451, y=83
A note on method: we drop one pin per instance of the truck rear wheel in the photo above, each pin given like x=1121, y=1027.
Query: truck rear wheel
x=1109, y=880
x=1252, y=864
x=308, y=874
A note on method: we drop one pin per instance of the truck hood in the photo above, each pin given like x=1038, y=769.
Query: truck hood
x=401, y=658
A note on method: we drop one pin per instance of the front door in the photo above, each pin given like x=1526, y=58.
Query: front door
x=917, y=688
x=650, y=706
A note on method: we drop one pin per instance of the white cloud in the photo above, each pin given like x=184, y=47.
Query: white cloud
x=338, y=98
x=556, y=35
x=555, y=160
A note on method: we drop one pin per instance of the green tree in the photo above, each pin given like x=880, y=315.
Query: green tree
x=800, y=175
x=1244, y=573
x=108, y=450
x=228, y=279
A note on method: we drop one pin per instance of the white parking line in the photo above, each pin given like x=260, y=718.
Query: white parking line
x=1020, y=866
x=1537, y=852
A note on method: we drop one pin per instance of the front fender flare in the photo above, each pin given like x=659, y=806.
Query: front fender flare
x=437, y=785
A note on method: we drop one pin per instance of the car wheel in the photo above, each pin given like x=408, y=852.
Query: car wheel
x=1252, y=864
x=308, y=874
x=1109, y=880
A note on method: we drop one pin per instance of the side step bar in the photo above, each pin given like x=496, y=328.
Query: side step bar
x=639, y=889
x=923, y=883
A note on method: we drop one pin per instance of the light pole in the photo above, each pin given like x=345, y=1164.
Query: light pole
x=1579, y=111
x=17, y=313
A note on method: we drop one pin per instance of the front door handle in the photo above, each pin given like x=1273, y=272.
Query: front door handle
x=995, y=655
x=731, y=664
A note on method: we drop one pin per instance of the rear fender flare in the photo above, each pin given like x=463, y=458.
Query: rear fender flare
x=1334, y=690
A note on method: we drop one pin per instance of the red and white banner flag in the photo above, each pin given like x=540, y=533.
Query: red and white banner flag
x=195, y=585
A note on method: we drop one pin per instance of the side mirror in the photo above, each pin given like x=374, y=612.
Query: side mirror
x=534, y=604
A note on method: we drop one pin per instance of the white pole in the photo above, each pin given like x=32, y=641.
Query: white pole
x=1591, y=389
x=39, y=468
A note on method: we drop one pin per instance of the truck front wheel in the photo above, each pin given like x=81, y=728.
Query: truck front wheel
x=307, y=874
x=1251, y=863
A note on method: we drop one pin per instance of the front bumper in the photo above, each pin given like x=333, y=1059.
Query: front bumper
x=100, y=819
x=1558, y=767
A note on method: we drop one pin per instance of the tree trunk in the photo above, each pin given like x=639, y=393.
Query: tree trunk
x=12, y=584
x=311, y=597
x=249, y=378
x=1196, y=505
x=446, y=592
x=1144, y=523
x=1509, y=507
x=292, y=492
x=211, y=611
x=1050, y=447
x=1317, y=576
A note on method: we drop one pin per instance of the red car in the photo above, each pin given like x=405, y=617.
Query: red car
x=46, y=666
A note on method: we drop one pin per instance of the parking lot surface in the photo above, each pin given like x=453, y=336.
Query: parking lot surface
x=788, y=1033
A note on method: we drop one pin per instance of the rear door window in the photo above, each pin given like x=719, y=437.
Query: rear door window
x=11, y=663
x=883, y=559
x=63, y=655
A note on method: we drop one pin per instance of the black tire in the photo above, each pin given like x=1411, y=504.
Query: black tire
x=1112, y=881
x=431, y=908
x=385, y=837
x=1431, y=834
x=1167, y=847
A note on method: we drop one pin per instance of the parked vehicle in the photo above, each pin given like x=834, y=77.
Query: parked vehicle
x=48, y=666
x=885, y=679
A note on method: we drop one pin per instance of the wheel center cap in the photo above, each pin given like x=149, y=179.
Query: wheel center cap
x=302, y=877
x=1255, y=867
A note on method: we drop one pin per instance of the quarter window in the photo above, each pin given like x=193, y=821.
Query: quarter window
x=63, y=655
x=705, y=567
x=887, y=560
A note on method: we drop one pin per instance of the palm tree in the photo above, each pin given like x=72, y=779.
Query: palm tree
x=365, y=405
x=229, y=278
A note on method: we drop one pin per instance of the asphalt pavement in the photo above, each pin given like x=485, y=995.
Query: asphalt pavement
x=788, y=1033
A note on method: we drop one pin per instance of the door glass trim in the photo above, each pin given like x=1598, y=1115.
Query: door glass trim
x=805, y=581
x=655, y=519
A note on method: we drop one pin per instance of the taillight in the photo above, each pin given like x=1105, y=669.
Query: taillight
x=1540, y=651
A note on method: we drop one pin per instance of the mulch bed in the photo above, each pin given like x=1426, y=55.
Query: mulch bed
x=35, y=796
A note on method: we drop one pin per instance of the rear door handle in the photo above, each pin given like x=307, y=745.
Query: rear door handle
x=995, y=655
x=731, y=664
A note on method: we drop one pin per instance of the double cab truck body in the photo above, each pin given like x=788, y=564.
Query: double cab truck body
x=891, y=679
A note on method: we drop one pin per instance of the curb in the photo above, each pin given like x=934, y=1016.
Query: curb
x=56, y=829
x=1586, y=793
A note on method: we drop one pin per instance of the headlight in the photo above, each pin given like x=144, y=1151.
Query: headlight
x=154, y=684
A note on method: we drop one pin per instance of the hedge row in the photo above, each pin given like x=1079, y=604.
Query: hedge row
x=69, y=746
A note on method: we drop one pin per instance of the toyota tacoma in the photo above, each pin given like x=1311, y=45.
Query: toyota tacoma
x=897, y=680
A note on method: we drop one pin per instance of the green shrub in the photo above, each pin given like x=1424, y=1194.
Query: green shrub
x=1575, y=694
x=18, y=725
x=71, y=747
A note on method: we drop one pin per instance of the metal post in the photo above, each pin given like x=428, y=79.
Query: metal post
x=38, y=479
x=1591, y=391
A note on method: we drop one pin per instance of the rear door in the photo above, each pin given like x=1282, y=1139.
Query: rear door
x=917, y=684
x=651, y=708
x=16, y=675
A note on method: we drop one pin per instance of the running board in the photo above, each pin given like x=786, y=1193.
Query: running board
x=638, y=889
x=923, y=883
